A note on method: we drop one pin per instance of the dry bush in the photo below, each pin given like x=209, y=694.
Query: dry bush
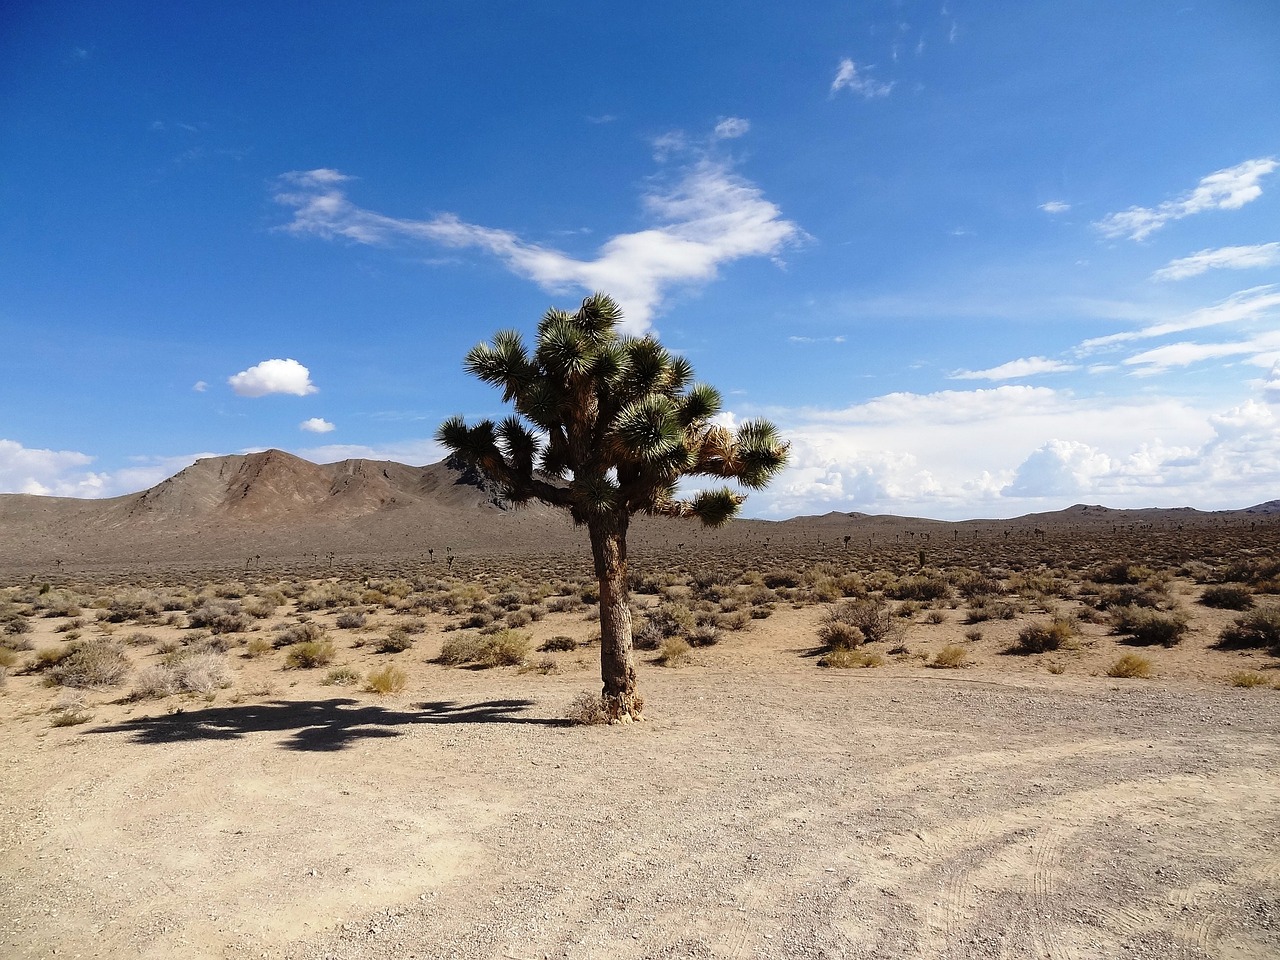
x=291, y=633
x=220, y=616
x=142, y=606
x=260, y=608
x=461, y=648
x=1123, y=572
x=202, y=673
x=704, y=635
x=388, y=679
x=502, y=649
x=1130, y=666
x=558, y=643
x=985, y=608
x=310, y=653
x=668, y=619
x=70, y=709
x=846, y=659
x=397, y=640
x=674, y=652
x=91, y=663
x=1130, y=595
x=586, y=710
x=935, y=617
x=518, y=618
x=350, y=620
x=1227, y=596
x=950, y=657
x=257, y=646
x=1248, y=679
x=1144, y=627
x=1043, y=636
x=974, y=635
x=924, y=587
x=1254, y=630
x=341, y=677
x=871, y=620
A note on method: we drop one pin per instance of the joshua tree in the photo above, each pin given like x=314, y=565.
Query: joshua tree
x=606, y=426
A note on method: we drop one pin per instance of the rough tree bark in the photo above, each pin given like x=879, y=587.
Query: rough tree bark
x=621, y=701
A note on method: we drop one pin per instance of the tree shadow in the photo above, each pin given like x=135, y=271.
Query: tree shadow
x=317, y=725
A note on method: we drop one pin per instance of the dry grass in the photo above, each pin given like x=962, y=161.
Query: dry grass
x=1131, y=666
x=387, y=679
x=951, y=657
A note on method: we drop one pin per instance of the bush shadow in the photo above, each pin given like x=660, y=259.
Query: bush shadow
x=317, y=725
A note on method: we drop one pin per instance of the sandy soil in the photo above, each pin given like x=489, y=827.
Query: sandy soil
x=767, y=808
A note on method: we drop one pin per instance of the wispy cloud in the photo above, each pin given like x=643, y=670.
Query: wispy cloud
x=849, y=77
x=1262, y=350
x=730, y=128
x=1247, y=305
x=1223, y=258
x=706, y=217
x=1227, y=189
x=838, y=339
x=1055, y=206
x=273, y=376
x=1014, y=369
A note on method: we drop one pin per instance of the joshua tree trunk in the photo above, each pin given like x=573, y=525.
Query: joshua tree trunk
x=617, y=655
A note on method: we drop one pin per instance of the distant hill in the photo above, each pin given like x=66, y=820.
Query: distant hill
x=274, y=504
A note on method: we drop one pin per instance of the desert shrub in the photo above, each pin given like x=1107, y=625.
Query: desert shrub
x=287, y=634
x=350, y=620
x=973, y=635
x=16, y=641
x=1253, y=631
x=825, y=590
x=59, y=603
x=674, y=652
x=1130, y=666
x=14, y=623
x=570, y=604
x=871, y=618
x=476, y=620
x=222, y=616
x=461, y=648
x=91, y=663
x=703, y=635
x=1144, y=626
x=1247, y=678
x=923, y=587
x=782, y=578
x=971, y=585
x=69, y=710
x=1122, y=572
x=737, y=620
x=139, y=639
x=985, y=608
x=326, y=596
x=257, y=646
x=668, y=619
x=396, y=641
x=1130, y=595
x=141, y=606
x=935, y=617
x=341, y=677
x=518, y=618
x=506, y=648
x=202, y=673
x=310, y=653
x=1225, y=596
x=951, y=656
x=1042, y=636
x=558, y=643
x=8, y=658
x=260, y=608
x=846, y=659
x=388, y=679
x=586, y=710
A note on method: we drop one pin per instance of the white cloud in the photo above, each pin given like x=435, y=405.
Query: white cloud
x=1223, y=258
x=1055, y=206
x=730, y=128
x=1260, y=350
x=849, y=78
x=1271, y=388
x=42, y=472
x=1026, y=367
x=412, y=452
x=1227, y=189
x=273, y=376
x=316, y=425
x=837, y=339
x=1256, y=303
x=199, y=386
x=708, y=217
x=1010, y=450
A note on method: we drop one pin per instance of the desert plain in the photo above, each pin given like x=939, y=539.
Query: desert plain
x=270, y=712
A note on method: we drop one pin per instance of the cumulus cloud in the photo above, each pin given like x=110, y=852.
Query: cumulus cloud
x=1009, y=450
x=1227, y=189
x=1014, y=369
x=414, y=452
x=707, y=217
x=273, y=376
x=730, y=128
x=848, y=77
x=1223, y=258
x=316, y=425
x=1271, y=388
x=199, y=386
x=43, y=472
x=1055, y=206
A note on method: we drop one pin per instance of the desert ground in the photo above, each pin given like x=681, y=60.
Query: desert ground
x=848, y=751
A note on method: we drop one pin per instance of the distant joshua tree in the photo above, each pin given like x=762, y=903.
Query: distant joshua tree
x=613, y=424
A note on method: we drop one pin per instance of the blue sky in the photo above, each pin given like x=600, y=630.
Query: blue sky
x=974, y=259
